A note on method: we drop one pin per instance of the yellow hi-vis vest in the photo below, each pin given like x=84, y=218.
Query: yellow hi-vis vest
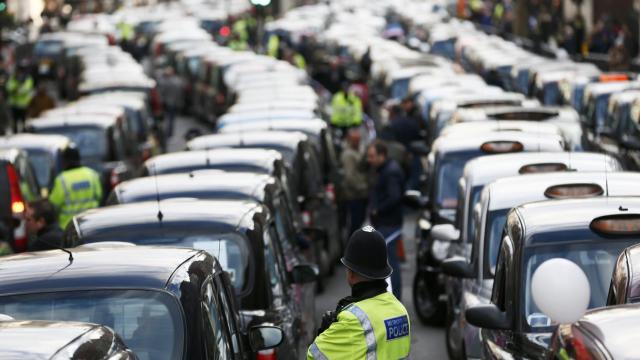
x=346, y=110
x=375, y=328
x=75, y=191
x=20, y=93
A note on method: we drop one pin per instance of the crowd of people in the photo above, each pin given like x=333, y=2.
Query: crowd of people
x=546, y=24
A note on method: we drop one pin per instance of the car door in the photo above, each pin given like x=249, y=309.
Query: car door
x=496, y=342
x=224, y=291
x=217, y=344
x=301, y=295
x=280, y=302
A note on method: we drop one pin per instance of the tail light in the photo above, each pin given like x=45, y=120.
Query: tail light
x=330, y=190
x=17, y=210
x=146, y=154
x=267, y=355
x=111, y=39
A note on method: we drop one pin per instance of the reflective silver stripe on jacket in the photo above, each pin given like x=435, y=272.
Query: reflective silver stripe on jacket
x=316, y=353
x=369, y=336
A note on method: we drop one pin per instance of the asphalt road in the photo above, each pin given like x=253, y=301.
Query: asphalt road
x=427, y=343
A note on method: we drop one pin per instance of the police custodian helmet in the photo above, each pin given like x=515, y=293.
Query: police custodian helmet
x=366, y=254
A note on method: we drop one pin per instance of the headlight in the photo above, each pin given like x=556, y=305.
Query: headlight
x=440, y=249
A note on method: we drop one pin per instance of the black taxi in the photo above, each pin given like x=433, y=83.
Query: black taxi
x=242, y=235
x=316, y=199
x=591, y=233
x=165, y=303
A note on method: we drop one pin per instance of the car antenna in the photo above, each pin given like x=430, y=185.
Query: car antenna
x=155, y=179
x=58, y=247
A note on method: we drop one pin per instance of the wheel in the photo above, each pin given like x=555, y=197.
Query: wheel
x=425, y=299
x=455, y=351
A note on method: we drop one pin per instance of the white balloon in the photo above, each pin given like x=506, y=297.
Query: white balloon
x=561, y=290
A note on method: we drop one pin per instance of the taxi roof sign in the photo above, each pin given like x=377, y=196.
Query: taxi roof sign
x=627, y=224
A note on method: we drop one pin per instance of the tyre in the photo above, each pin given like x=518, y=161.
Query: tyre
x=425, y=299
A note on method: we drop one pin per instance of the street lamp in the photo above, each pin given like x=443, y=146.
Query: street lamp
x=260, y=6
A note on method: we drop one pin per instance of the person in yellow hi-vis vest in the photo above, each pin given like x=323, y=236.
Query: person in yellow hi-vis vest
x=20, y=92
x=273, y=46
x=346, y=108
x=371, y=323
x=76, y=189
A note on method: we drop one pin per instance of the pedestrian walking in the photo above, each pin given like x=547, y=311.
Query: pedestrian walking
x=355, y=184
x=42, y=226
x=385, y=205
x=40, y=103
x=76, y=189
x=370, y=323
x=346, y=108
x=19, y=93
x=170, y=87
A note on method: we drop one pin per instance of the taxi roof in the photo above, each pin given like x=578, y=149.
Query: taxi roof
x=571, y=214
x=16, y=337
x=227, y=185
x=215, y=215
x=616, y=327
x=484, y=169
x=92, y=267
x=530, y=141
x=464, y=128
x=35, y=141
x=308, y=127
x=277, y=139
x=255, y=158
x=73, y=119
x=509, y=192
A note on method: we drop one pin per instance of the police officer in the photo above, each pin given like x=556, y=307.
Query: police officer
x=346, y=108
x=371, y=323
x=20, y=93
x=76, y=189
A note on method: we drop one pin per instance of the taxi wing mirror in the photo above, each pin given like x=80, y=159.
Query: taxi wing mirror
x=445, y=232
x=457, y=267
x=487, y=316
x=304, y=273
x=265, y=337
x=415, y=199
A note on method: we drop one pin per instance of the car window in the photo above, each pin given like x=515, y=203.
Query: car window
x=216, y=344
x=43, y=165
x=28, y=183
x=90, y=140
x=500, y=283
x=273, y=270
x=150, y=322
x=596, y=259
x=284, y=228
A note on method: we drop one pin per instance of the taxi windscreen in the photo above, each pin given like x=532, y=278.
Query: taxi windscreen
x=90, y=140
x=149, y=322
x=596, y=258
x=230, y=249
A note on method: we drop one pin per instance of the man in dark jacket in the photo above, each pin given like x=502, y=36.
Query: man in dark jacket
x=385, y=205
x=42, y=226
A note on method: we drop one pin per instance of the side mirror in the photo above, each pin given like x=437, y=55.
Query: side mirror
x=457, y=267
x=564, y=299
x=487, y=316
x=415, y=199
x=304, y=273
x=445, y=232
x=419, y=147
x=265, y=337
